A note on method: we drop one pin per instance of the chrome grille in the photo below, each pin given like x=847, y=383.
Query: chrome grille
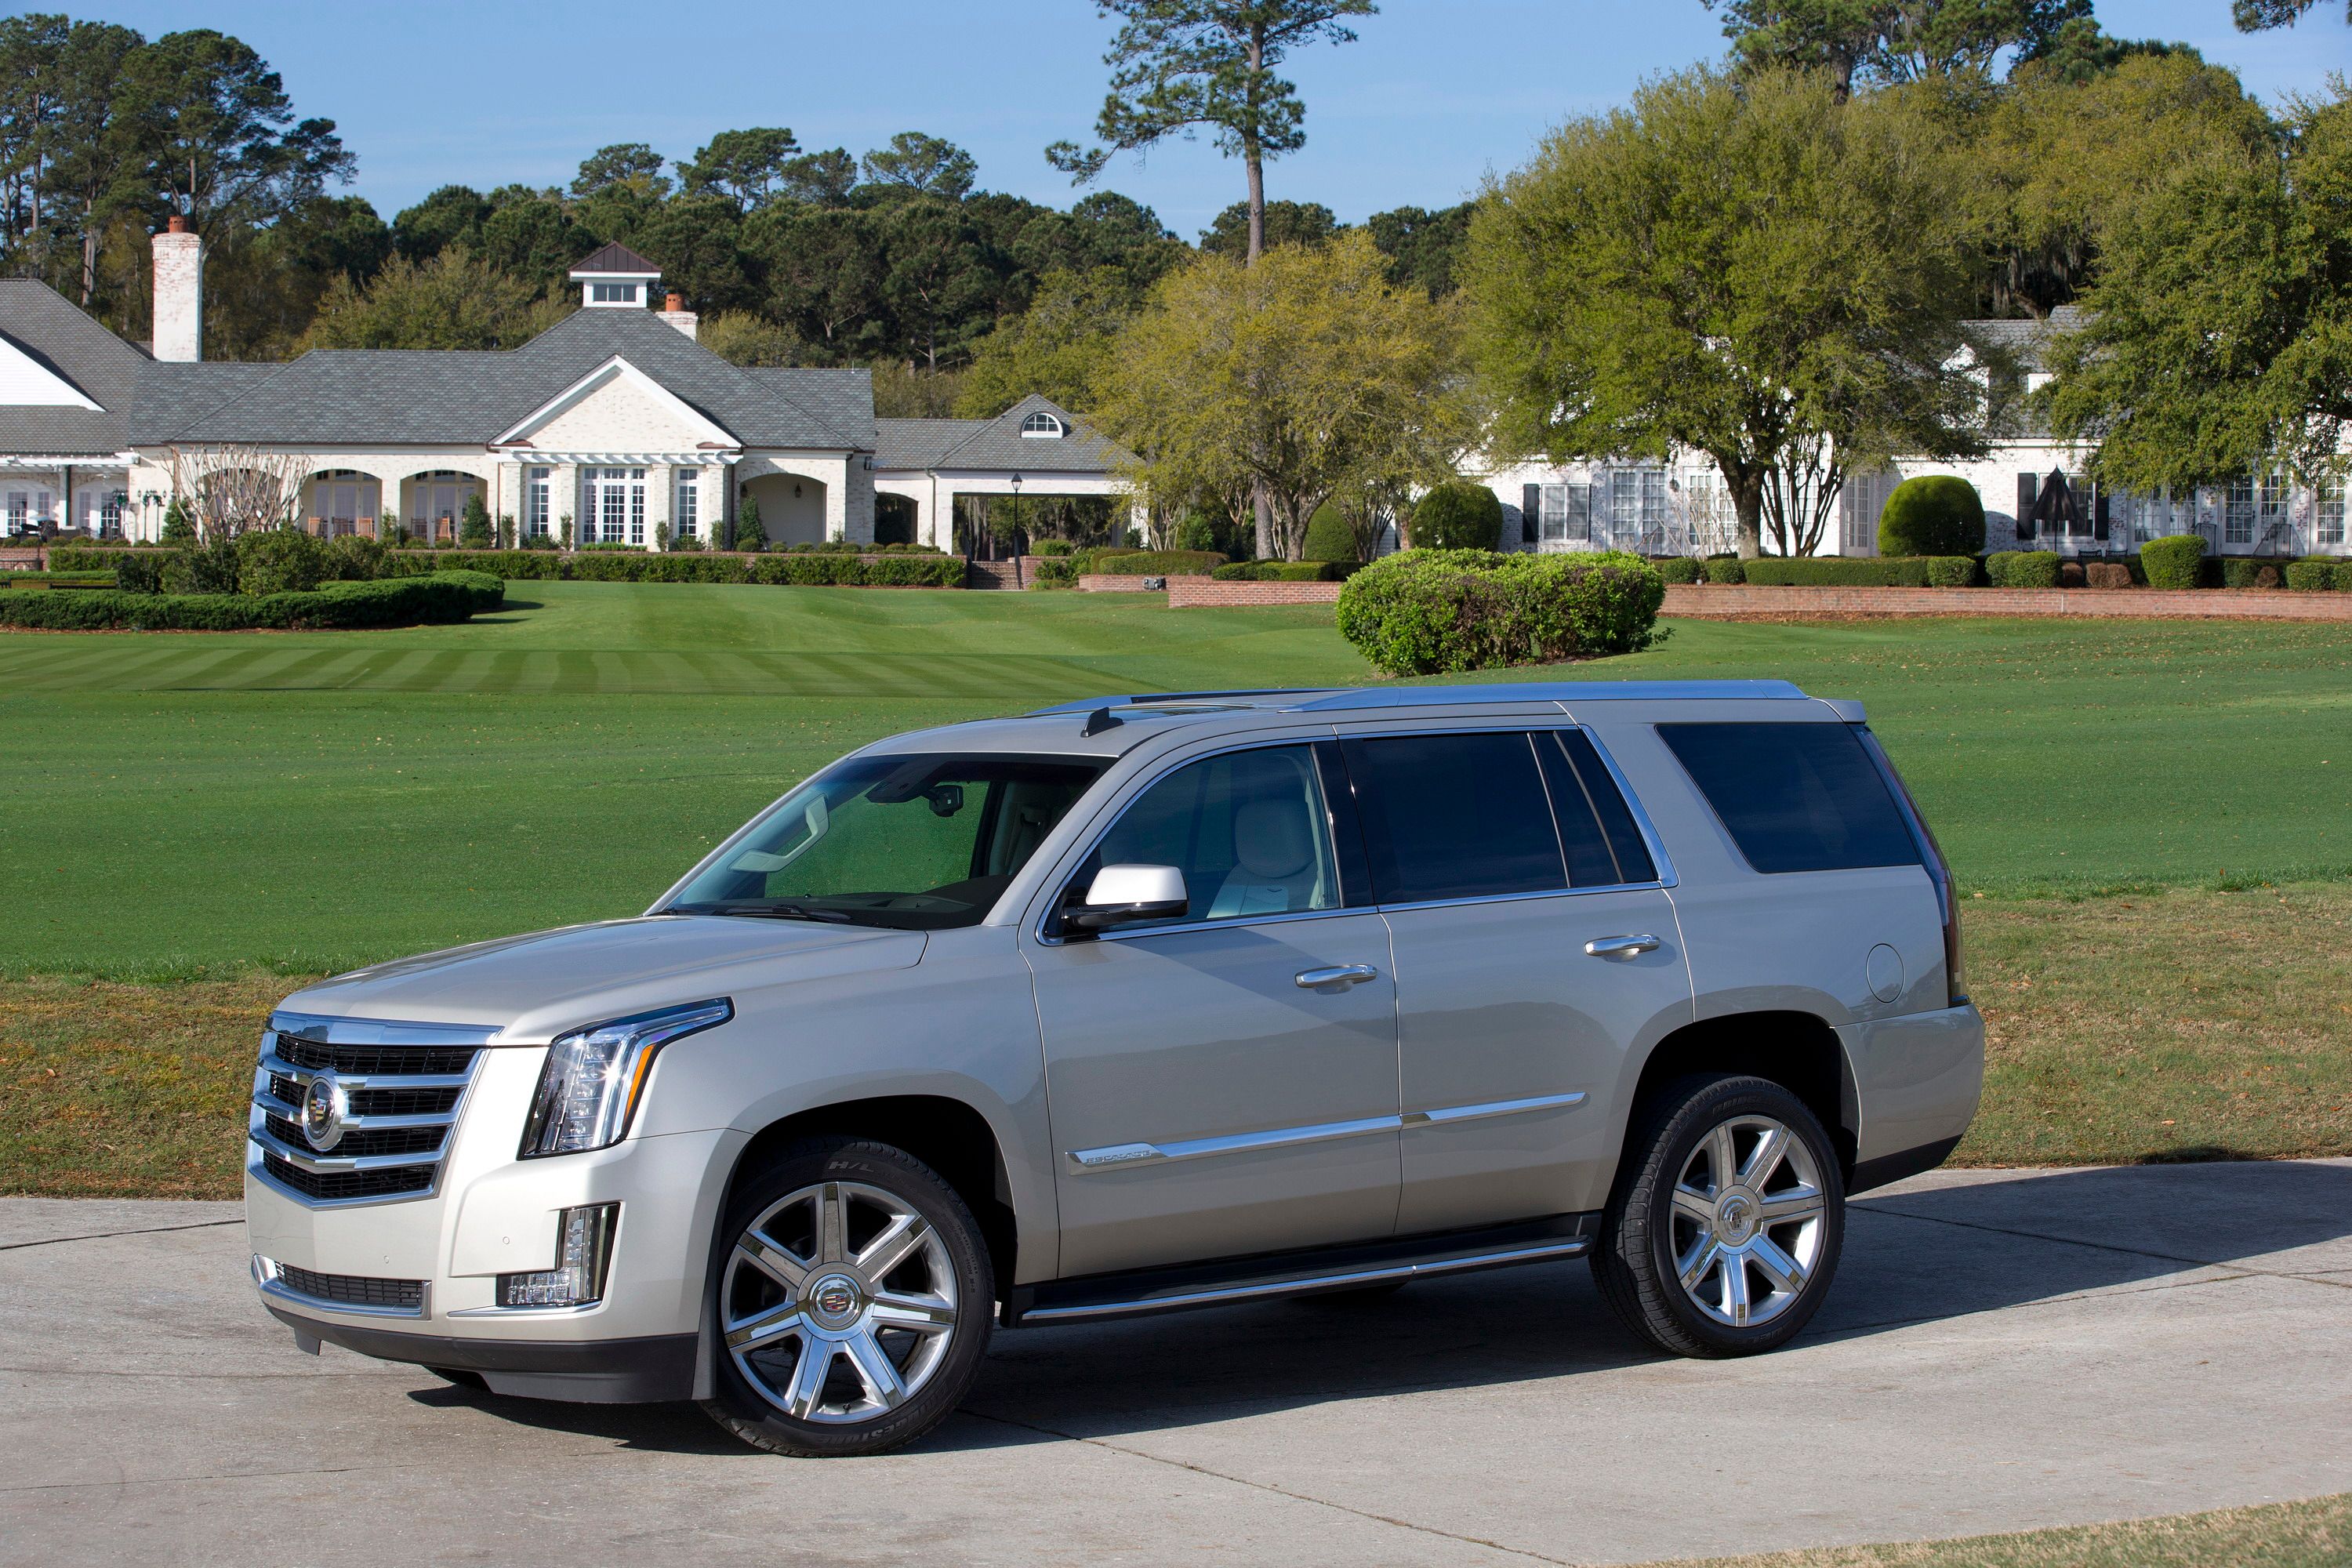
x=402, y=1089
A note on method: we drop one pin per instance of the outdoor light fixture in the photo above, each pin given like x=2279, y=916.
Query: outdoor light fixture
x=590, y=1087
x=584, y=1251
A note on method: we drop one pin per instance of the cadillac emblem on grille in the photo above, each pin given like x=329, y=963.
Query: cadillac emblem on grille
x=324, y=1105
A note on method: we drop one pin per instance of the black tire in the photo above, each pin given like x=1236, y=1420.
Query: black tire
x=743, y=1408
x=1635, y=1257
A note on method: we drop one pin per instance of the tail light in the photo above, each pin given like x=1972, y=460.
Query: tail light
x=1931, y=856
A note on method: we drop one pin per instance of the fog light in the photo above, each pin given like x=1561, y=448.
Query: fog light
x=578, y=1277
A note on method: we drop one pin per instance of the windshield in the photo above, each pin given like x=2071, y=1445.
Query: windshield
x=914, y=843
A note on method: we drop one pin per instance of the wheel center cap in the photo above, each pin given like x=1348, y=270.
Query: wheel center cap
x=835, y=1300
x=1735, y=1217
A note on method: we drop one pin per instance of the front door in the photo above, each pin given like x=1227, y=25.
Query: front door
x=1534, y=947
x=1224, y=1083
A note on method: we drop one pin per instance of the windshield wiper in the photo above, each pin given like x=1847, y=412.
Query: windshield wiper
x=765, y=911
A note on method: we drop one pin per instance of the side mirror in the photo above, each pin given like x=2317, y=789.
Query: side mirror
x=1124, y=893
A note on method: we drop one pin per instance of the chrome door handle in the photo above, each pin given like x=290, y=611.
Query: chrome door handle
x=1337, y=974
x=1622, y=946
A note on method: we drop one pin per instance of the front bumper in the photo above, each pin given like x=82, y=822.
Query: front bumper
x=429, y=1264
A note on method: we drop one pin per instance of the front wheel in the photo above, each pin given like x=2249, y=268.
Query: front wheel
x=1724, y=1232
x=853, y=1302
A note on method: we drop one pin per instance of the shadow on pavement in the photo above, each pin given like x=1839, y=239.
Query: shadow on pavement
x=1911, y=1256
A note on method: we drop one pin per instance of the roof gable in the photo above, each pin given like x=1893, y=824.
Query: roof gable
x=998, y=443
x=28, y=380
x=617, y=406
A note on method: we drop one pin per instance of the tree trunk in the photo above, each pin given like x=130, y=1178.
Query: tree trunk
x=1747, y=507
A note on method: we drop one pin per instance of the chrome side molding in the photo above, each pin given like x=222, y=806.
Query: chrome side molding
x=1111, y=1155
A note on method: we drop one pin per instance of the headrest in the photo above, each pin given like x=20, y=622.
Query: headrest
x=1270, y=837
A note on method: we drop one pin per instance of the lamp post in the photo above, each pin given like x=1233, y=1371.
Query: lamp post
x=1016, y=517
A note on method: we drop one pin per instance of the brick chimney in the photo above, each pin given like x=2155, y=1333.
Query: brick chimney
x=179, y=293
x=675, y=312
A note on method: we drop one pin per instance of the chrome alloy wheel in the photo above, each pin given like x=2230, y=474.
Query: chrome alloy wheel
x=839, y=1302
x=1749, y=1219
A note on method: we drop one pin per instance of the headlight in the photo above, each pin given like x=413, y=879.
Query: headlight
x=589, y=1089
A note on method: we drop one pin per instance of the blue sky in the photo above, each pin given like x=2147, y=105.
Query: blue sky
x=1433, y=95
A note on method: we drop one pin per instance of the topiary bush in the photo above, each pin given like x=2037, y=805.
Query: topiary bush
x=1423, y=611
x=1725, y=569
x=179, y=528
x=2312, y=573
x=1951, y=571
x=1933, y=514
x=2023, y=568
x=751, y=533
x=1677, y=568
x=1328, y=538
x=281, y=561
x=1457, y=515
x=474, y=525
x=2178, y=561
x=2108, y=576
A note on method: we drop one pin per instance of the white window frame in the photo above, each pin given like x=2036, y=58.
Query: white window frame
x=538, y=493
x=2238, y=505
x=686, y=516
x=1040, y=426
x=2327, y=513
x=613, y=293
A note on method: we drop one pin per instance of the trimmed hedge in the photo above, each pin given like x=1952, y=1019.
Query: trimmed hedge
x=910, y=569
x=55, y=579
x=2249, y=572
x=1422, y=612
x=2023, y=568
x=1951, y=571
x=1677, y=568
x=1150, y=562
x=445, y=596
x=1053, y=571
x=2312, y=572
x=2174, y=563
x=1933, y=514
x=1725, y=569
x=1284, y=571
x=1840, y=571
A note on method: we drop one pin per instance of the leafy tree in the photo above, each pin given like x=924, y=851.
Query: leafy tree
x=263, y=286
x=2260, y=15
x=1284, y=378
x=91, y=160
x=1179, y=65
x=903, y=390
x=534, y=238
x=824, y=273
x=452, y=215
x=749, y=532
x=698, y=240
x=1757, y=271
x=820, y=179
x=453, y=302
x=1060, y=347
x=747, y=167
x=474, y=524
x=631, y=165
x=1877, y=41
x=1424, y=248
x=2218, y=336
x=930, y=165
x=214, y=132
x=1285, y=223
x=742, y=337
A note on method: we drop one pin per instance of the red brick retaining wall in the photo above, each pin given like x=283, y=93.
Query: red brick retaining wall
x=1113, y=582
x=1196, y=593
x=1725, y=601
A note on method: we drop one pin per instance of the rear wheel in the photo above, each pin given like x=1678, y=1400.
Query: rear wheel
x=1724, y=1232
x=852, y=1304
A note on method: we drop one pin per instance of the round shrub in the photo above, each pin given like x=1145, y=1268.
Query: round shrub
x=1725, y=569
x=1457, y=515
x=2247, y=571
x=1328, y=538
x=1422, y=612
x=1677, y=569
x=1934, y=514
x=2178, y=561
x=1951, y=571
x=281, y=561
x=2023, y=568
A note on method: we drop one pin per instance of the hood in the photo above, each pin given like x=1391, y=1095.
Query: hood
x=535, y=987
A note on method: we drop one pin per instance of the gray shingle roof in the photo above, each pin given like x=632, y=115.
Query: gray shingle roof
x=416, y=397
x=2027, y=338
x=998, y=443
x=45, y=324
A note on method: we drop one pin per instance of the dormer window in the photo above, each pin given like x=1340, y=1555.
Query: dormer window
x=1043, y=426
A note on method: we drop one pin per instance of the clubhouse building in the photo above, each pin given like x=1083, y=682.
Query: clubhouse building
x=613, y=426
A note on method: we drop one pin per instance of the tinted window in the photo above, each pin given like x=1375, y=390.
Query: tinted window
x=1249, y=830
x=1596, y=828
x=1795, y=797
x=1454, y=816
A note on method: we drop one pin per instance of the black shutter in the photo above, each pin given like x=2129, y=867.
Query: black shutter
x=2098, y=510
x=2028, y=486
x=1530, y=511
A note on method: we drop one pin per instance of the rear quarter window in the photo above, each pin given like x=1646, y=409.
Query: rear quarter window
x=1795, y=796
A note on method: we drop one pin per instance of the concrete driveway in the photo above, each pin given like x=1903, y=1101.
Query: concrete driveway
x=2005, y=1350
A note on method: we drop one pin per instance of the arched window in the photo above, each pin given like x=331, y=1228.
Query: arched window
x=1043, y=426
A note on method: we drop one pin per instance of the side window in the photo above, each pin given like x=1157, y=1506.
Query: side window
x=1454, y=816
x=1597, y=830
x=1795, y=796
x=1250, y=830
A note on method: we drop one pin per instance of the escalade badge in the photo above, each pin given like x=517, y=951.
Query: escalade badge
x=324, y=1105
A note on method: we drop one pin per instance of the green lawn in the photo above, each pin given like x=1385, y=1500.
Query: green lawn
x=178, y=804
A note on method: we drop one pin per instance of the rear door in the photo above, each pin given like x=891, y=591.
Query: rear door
x=1535, y=945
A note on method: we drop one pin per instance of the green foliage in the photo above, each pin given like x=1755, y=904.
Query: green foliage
x=139, y=570
x=1055, y=547
x=474, y=524
x=1951, y=571
x=1878, y=44
x=456, y=300
x=1328, y=537
x=1428, y=612
x=2178, y=561
x=931, y=165
x=2023, y=568
x=179, y=524
x=1287, y=223
x=1673, y=569
x=1060, y=347
x=1284, y=571
x=1456, y=515
x=2312, y=573
x=1725, y=569
x=1840, y=571
x=842, y=568
x=281, y=561
x=1634, y=285
x=1932, y=514
x=1123, y=563
x=438, y=598
x=739, y=337
x=1053, y=571
x=2248, y=571
x=750, y=534
x=1424, y=248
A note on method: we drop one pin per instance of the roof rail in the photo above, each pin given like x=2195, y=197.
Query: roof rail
x=1141, y=697
x=1324, y=699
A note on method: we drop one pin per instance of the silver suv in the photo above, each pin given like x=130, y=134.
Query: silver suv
x=1136, y=1004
